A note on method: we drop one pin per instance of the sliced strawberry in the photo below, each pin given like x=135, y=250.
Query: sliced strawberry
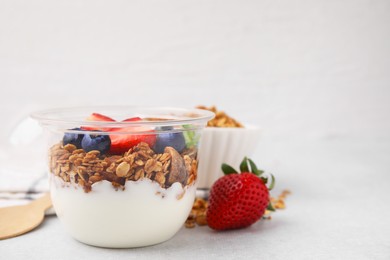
x=97, y=117
x=132, y=119
x=121, y=143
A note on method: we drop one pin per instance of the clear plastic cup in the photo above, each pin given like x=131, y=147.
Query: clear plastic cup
x=122, y=176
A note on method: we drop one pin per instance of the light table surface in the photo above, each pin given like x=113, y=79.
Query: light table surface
x=339, y=209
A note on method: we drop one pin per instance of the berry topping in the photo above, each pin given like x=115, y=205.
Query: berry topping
x=175, y=140
x=73, y=138
x=237, y=200
x=121, y=143
x=100, y=118
x=96, y=142
x=132, y=119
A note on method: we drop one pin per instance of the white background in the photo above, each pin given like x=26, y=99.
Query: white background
x=315, y=75
x=303, y=70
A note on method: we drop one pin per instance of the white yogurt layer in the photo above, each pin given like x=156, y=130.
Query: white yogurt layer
x=142, y=214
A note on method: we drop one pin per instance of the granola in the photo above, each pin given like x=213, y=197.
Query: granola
x=221, y=119
x=83, y=168
x=197, y=214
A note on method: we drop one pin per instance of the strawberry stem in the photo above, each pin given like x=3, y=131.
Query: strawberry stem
x=227, y=169
x=272, y=184
x=254, y=168
x=244, y=165
x=270, y=207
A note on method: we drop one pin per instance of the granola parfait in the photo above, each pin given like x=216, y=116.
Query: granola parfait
x=123, y=177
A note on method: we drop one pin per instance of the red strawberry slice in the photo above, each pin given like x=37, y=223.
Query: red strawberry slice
x=121, y=143
x=97, y=117
x=132, y=119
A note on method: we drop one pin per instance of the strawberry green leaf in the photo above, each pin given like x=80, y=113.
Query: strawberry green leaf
x=272, y=184
x=244, y=165
x=270, y=207
x=264, y=179
x=254, y=168
x=227, y=169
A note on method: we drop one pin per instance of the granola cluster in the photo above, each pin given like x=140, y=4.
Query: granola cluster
x=277, y=203
x=83, y=168
x=197, y=214
x=221, y=119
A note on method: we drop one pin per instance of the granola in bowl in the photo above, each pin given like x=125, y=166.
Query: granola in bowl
x=221, y=119
x=224, y=139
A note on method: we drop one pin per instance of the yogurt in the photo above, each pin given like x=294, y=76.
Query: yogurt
x=142, y=214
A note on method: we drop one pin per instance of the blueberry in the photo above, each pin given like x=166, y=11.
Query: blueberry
x=175, y=140
x=72, y=138
x=91, y=142
x=159, y=128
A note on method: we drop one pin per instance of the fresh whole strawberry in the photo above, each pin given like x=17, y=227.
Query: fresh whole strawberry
x=237, y=200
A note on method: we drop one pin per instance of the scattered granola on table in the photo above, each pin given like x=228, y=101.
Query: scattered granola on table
x=277, y=203
x=197, y=215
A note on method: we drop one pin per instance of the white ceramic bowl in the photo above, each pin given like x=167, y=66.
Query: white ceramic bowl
x=224, y=145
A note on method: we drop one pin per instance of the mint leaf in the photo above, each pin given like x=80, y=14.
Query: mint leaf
x=190, y=137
